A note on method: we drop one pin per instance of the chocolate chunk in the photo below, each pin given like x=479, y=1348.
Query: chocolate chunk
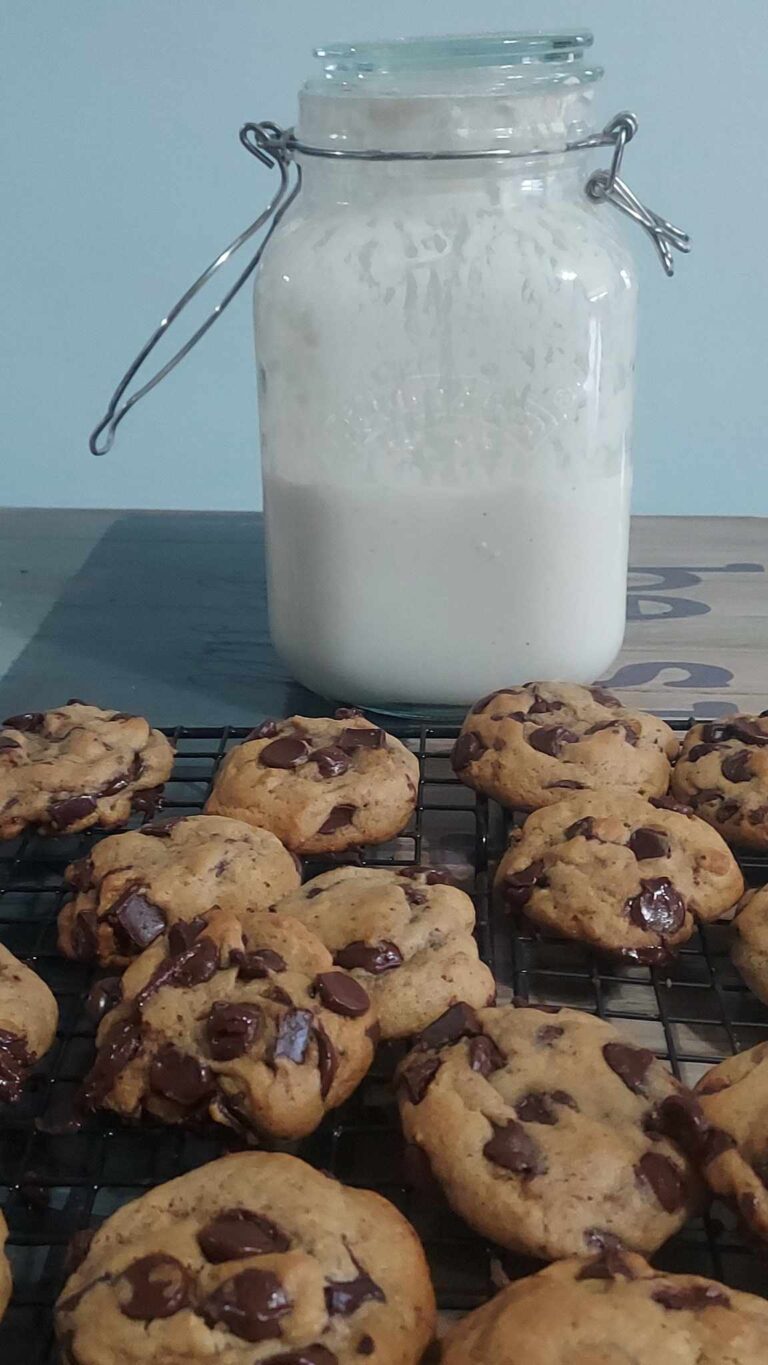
x=584, y=828
x=250, y=1305
x=147, y=801
x=365, y=1346
x=714, y=1142
x=338, y=818
x=413, y=896
x=459, y=1021
x=648, y=843
x=712, y=1085
x=691, y=1298
x=294, y=1031
x=609, y=1265
x=468, y=748
x=549, y=1034
x=232, y=1029
x=727, y=811
x=598, y=1239
x=85, y=935
x=155, y=1286
x=484, y=1055
x=374, y=958
x=600, y=695
x=481, y=705
x=372, y=738
x=664, y=1178
x=123, y=779
x=62, y=814
x=631, y=1064
x=551, y=739
x=658, y=907
x=540, y=706
x=287, y=752
x=7, y=743
x=327, y=1059
x=258, y=963
x=737, y=767
x=342, y=994
x=331, y=762
x=120, y=1046
x=681, y=1118
x=161, y=829
x=513, y=1148
x=668, y=803
x=344, y=1297
x=179, y=1077
x=433, y=876
x=759, y=816
x=517, y=887
x=703, y=797
x=715, y=733
x=30, y=722
x=15, y=1061
x=103, y=996
x=417, y=1074
x=190, y=967
x=630, y=734
x=748, y=731
x=538, y=1106
x=306, y=1355
x=140, y=921
x=183, y=933
x=279, y=996
x=347, y=712
x=235, y=1233
x=267, y=730
x=699, y=751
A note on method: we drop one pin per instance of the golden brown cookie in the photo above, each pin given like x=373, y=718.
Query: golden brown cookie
x=133, y=886
x=612, y=1310
x=248, y=1024
x=548, y=1131
x=722, y=772
x=750, y=941
x=320, y=785
x=256, y=1259
x=627, y=876
x=530, y=746
x=29, y=1018
x=734, y=1152
x=78, y=766
x=405, y=934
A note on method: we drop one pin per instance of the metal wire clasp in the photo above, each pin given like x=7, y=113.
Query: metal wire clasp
x=279, y=147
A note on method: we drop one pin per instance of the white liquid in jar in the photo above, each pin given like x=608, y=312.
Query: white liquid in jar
x=440, y=594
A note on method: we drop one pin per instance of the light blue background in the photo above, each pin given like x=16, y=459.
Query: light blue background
x=123, y=176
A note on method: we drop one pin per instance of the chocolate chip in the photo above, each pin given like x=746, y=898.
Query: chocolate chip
x=30, y=722
x=374, y=958
x=342, y=994
x=630, y=734
x=327, y=1059
x=727, y=810
x=249, y=1305
x=513, y=1148
x=147, y=801
x=748, y=731
x=235, y=1233
x=481, y=705
x=120, y=1046
x=570, y=786
x=631, y=1064
x=737, y=767
x=584, y=828
x=123, y=779
x=231, y=1029
x=664, y=1179
x=539, y=1106
x=609, y=1265
x=433, y=876
x=549, y=1034
x=600, y=695
x=468, y=748
x=294, y=1031
x=62, y=814
x=648, y=843
x=691, y=1298
x=338, y=818
x=190, y=967
x=714, y=1143
x=155, y=1286
x=668, y=803
x=413, y=896
x=258, y=963
x=306, y=1355
x=179, y=1077
x=417, y=1074
x=759, y=816
x=139, y=919
x=103, y=996
x=658, y=907
x=183, y=933
x=681, y=1118
x=714, y=733
x=344, y=1297
x=460, y=1021
x=517, y=887
x=331, y=762
x=540, y=706
x=366, y=1346
x=267, y=730
x=361, y=738
x=161, y=829
x=484, y=1056
x=699, y=751
x=288, y=752
x=598, y=1239
x=551, y=739
x=279, y=996
x=347, y=712
x=85, y=935
x=15, y=1060
x=7, y=743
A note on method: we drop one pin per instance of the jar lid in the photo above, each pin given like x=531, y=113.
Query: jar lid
x=517, y=55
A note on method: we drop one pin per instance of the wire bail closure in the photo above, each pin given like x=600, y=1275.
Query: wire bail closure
x=277, y=147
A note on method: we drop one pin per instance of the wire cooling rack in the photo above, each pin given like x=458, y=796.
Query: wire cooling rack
x=53, y=1182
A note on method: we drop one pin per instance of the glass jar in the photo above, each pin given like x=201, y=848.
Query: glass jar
x=445, y=353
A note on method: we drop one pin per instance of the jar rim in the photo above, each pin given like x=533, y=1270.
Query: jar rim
x=529, y=56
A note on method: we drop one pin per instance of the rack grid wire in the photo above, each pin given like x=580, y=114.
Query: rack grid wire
x=55, y=1181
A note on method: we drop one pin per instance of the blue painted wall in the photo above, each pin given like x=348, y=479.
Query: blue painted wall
x=122, y=177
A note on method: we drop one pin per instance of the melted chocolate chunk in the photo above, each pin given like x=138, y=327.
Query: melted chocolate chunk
x=539, y=1106
x=598, y=1239
x=584, y=828
x=231, y=1029
x=517, y=887
x=120, y=1046
x=190, y=967
x=658, y=907
x=344, y=1297
x=137, y=921
x=267, y=730
x=374, y=958
x=681, y=1118
x=236, y=1233
x=372, y=738
x=183, y=933
x=481, y=705
x=342, y=994
x=759, y=816
x=15, y=1061
x=549, y=1034
x=338, y=818
x=306, y=1355
x=699, y=751
x=85, y=935
x=540, y=706
x=691, y=1298
x=551, y=739
x=484, y=1056
x=727, y=811
x=7, y=743
x=63, y=814
x=294, y=1031
x=250, y=1305
x=748, y=731
x=714, y=732
x=161, y=829
x=179, y=1077
x=600, y=695
x=327, y=1059
x=103, y=996
x=30, y=722
x=287, y=752
x=513, y=1148
x=366, y=1346
x=258, y=963
x=648, y=843
x=331, y=762
x=737, y=767
x=433, y=876
x=279, y=996
x=459, y=1021
x=608, y=1266
x=664, y=1178
x=122, y=780
x=156, y=1286
x=714, y=1142
x=468, y=748
x=631, y=1064
x=417, y=1074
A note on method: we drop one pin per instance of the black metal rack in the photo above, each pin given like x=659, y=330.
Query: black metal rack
x=54, y=1182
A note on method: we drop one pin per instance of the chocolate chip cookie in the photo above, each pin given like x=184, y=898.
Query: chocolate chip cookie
x=531, y=746
x=29, y=1017
x=133, y=886
x=750, y=942
x=256, y=1259
x=320, y=785
x=66, y=770
x=249, y=1024
x=723, y=773
x=547, y=1130
x=734, y=1152
x=5, y=1269
x=405, y=934
x=612, y=1310
x=627, y=876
